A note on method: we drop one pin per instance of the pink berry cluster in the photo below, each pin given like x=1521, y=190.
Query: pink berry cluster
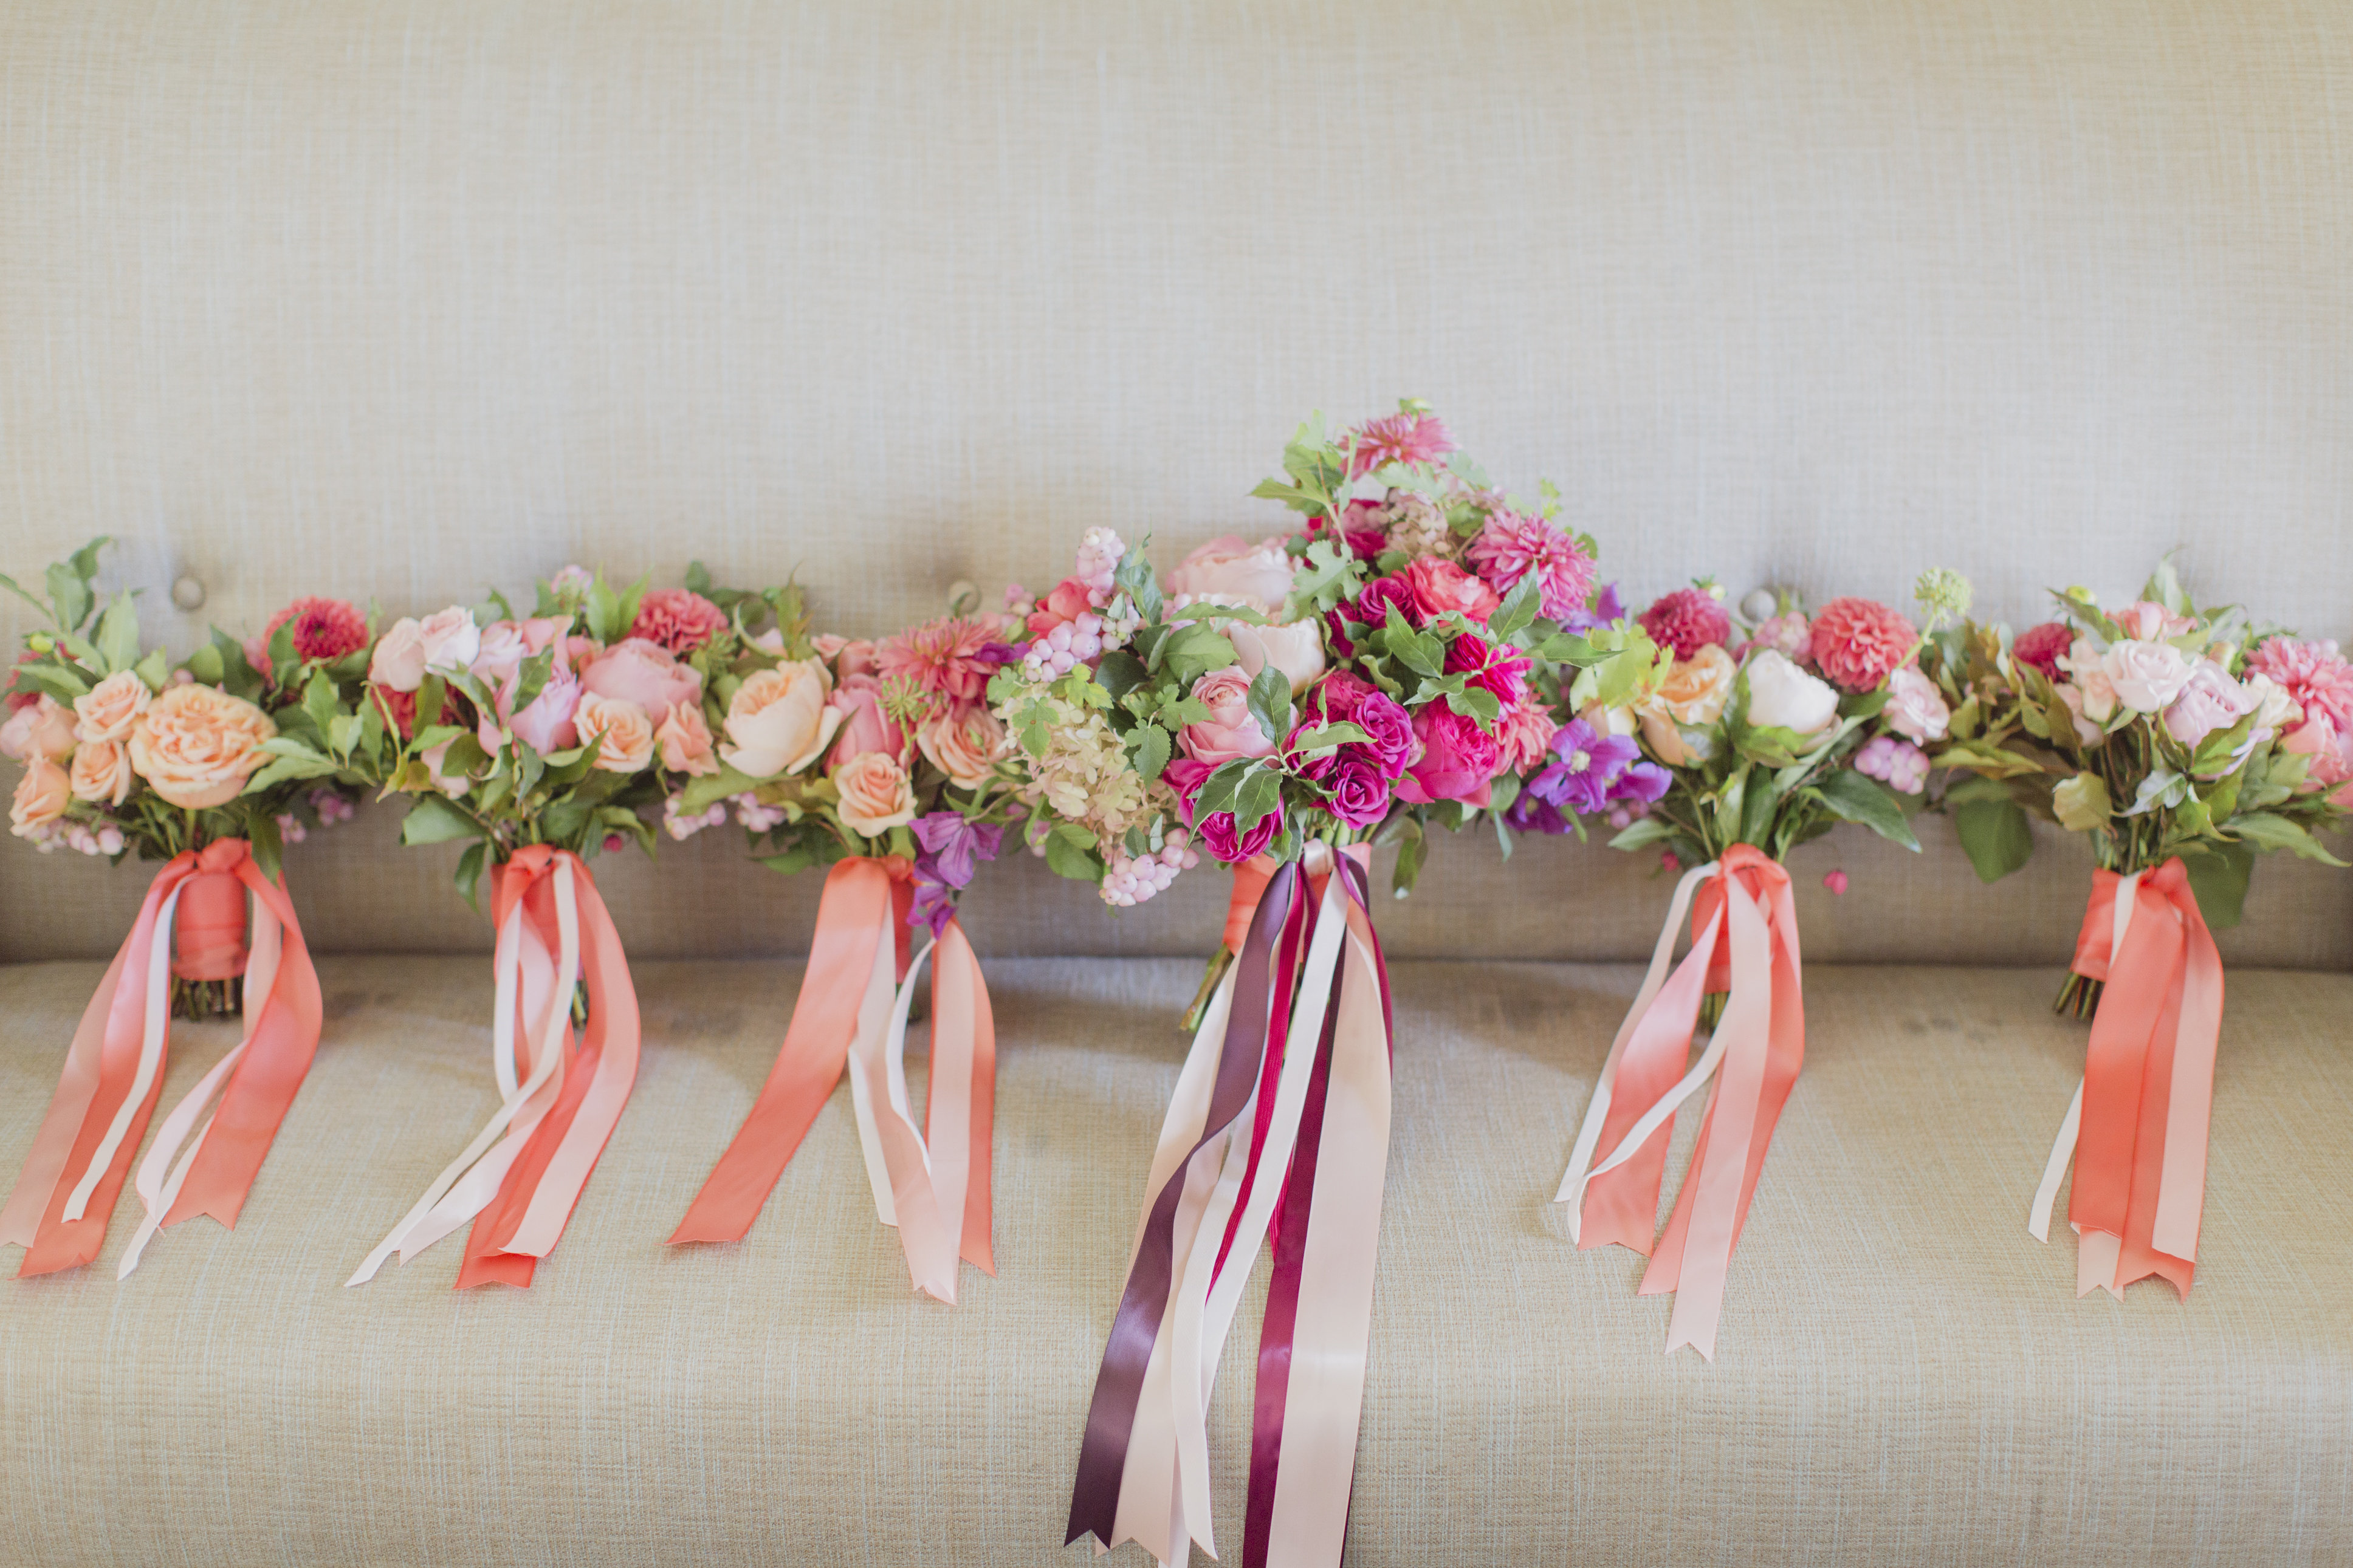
x=77, y=835
x=1133, y=881
x=684, y=826
x=1900, y=765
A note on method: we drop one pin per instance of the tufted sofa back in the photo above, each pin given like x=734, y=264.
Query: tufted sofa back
x=400, y=300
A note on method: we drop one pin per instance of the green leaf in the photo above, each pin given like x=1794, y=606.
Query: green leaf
x=1120, y=673
x=1193, y=651
x=156, y=669
x=1133, y=573
x=320, y=702
x=1518, y=610
x=1860, y=798
x=433, y=820
x=1070, y=852
x=59, y=680
x=1641, y=834
x=1269, y=703
x=1994, y=834
x=1148, y=750
x=1477, y=702
x=2082, y=803
x=469, y=872
x=283, y=661
x=2265, y=831
x=1326, y=738
x=1566, y=647
x=118, y=634
x=2219, y=873
x=269, y=844
x=531, y=680
x=70, y=600
x=1259, y=796
x=698, y=578
x=1218, y=791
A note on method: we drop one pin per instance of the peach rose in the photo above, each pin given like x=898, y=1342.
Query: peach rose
x=41, y=797
x=1259, y=575
x=43, y=728
x=875, y=795
x=1693, y=693
x=779, y=722
x=625, y=729
x=685, y=741
x=197, y=745
x=100, y=772
x=965, y=747
x=1296, y=649
x=107, y=711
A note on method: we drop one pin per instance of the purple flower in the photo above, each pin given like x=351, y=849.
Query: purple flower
x=1608, y=609
x=1589, y=764
x=1357, y=781
x=953, y=849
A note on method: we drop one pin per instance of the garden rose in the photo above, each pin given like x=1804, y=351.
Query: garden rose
x=683, y=738
x=1296, y=649
x=637, y=670
x=779, y=722
x=966, y=746
x=1695, y=688
x=41, y=799
x=875, y=795
x=1495, y=668
x=1388, y=730
x=196, y=745
x=2088, y=729
x=1230, y=732
x=1256, y=574
x=107, y=709
x=1859, y=643
x=2098, y=692
x=1359, y=788
x=100, y=772
x=2208, y=700
x=437, y=763
x=1438, y=586
x=1218, y=837
x=398, y=662
x=625, y=729
x=865, y=727
x=45, y=727
x=1916, y=709
x=2146, y=676
x=1782, y=696
x=1457, y=758
x=2145, y=622
x=450, y=639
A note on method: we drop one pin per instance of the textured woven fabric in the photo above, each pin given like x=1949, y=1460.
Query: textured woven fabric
x=401, y=300
x=1905, y=1377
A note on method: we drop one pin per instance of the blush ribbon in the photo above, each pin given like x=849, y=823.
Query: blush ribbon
x=1279, y=1126
x=561, y=1093
x=2137, y=1130
x=114, y=1069
x=932, y=1185
x=1744, y=939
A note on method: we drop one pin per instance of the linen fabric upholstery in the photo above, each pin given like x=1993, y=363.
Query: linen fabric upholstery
x=1905, y=1377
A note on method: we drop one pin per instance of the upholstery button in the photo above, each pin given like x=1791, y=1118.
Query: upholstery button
x=188, y=593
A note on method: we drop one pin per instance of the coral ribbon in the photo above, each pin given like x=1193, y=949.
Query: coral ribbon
x=114, y=1070
x=1279, y=1126
x=1744, y=926
x=2137, y=1129
x=561, y=1095
x=933, y=1183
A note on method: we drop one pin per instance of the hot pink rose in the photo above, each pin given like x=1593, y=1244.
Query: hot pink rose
x=1257, y=574
x=1497, y=667
x=643, y=672
x=1439, y=585
x=1230, y=732
x=1457, y=759
x=1359, y=788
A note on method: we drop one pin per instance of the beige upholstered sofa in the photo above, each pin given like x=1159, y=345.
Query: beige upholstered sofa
x=405, y=298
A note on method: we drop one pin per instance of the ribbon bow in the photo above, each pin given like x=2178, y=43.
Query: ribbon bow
x=1744, y=940
x=114, y=1068
x=931, y=1185
x=2137, y=1127
x=560, y=1094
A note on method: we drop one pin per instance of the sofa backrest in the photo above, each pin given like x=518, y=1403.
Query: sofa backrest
x=400, y=301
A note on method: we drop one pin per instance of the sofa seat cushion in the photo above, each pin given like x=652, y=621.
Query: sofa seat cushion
x=1902, y=1375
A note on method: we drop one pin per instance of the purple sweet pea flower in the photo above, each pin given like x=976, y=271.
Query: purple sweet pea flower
x=1589, y=765
x=953, y=849
x=1608, y=609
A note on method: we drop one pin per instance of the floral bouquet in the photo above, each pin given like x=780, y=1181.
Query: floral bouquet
x=123, y=751
x=1275, y=705
x=882, y=762
x=2183, y=741
x=539, y=741
x=1728, y=745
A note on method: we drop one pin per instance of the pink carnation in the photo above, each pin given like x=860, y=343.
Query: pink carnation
x=2313, y=673
x=677, y=619
x=1510, y=547
x=2043, y=646
x=942, y=656
x=324, y=628
x=1859, y=643
x=1399, y=438
x=1686, y=621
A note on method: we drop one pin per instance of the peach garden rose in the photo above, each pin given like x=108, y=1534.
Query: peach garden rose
x=627, y=733
x=100, y=772
x=196, y=745
x=41, y=799
x=875, y=795
x=107, y=709
x=778, y=721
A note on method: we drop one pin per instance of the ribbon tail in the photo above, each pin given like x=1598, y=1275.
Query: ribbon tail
x=44, y=1163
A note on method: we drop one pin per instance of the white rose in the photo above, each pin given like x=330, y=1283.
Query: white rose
x=398, y=662
x=1782, y=696
x=2147, y=676
x=1915, y=710
x=2275, y=709
x=1296, y=649
x=451, y=641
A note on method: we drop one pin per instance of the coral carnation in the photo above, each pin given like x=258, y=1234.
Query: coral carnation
x=2314, y=673
x=1686, y=621
x=324, y=628
x=677, y=619
x=1510, y=547
x=1859, y=643
x=2043, y=646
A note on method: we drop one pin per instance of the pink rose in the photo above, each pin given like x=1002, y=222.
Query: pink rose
x=1788, y=634
x=107, y=711
x=1457, y=759
x=449, y=638
x=625, y=729
x=548, y=724
x=864, y=726
x=437, y=767
x=780, y=720
x=1295, y=649
x=100, y=772
x=2208, y=700
x=643, y=672
x=44, y=729
x=966, y=746
x=684, y=738
x=1438, y=586
x=398, y=662
x=1230, y=732
x=2144, y=621
x=1258, y=575
x=847, y=655
x=2146, y=676
x=1916, y=709
x=41, y=799
x=2088, y=729
x=875, y=795
x=504, y=645
x=196, y=745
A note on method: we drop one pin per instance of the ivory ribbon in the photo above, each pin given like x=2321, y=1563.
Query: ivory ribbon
x=2137, y=1130
x=1278, y=1125
x=114, y=1069
x=1744, y=928
x=560, y=1095
x=933, y=1183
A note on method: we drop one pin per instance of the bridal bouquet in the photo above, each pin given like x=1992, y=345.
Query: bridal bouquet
x=1273, y=705
x=1728, y=745
x=882, y=761
x=122, y=752
x=538, y=741
x=2183, y=742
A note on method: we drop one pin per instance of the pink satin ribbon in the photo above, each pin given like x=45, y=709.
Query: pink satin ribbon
x=114, y=1068
x=1744, y=928
x=2137, y=1130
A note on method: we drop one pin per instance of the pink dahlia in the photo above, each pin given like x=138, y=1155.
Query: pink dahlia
x=1412, y=438
x=1512, y=546
x=1686, y=621
x=1524, y=734
x=324, y=628
x=944, y=656
x=1859, y=643
x=2314, y=673
x=2044, y=646
x=678, y=619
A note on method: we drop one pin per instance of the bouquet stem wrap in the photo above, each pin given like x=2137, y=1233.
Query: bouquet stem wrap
x=1744, y=939
x=1278, y=1128
x=2137, y=1130
x=561, y=1092
x=932, y=1184
x=114, y=1068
